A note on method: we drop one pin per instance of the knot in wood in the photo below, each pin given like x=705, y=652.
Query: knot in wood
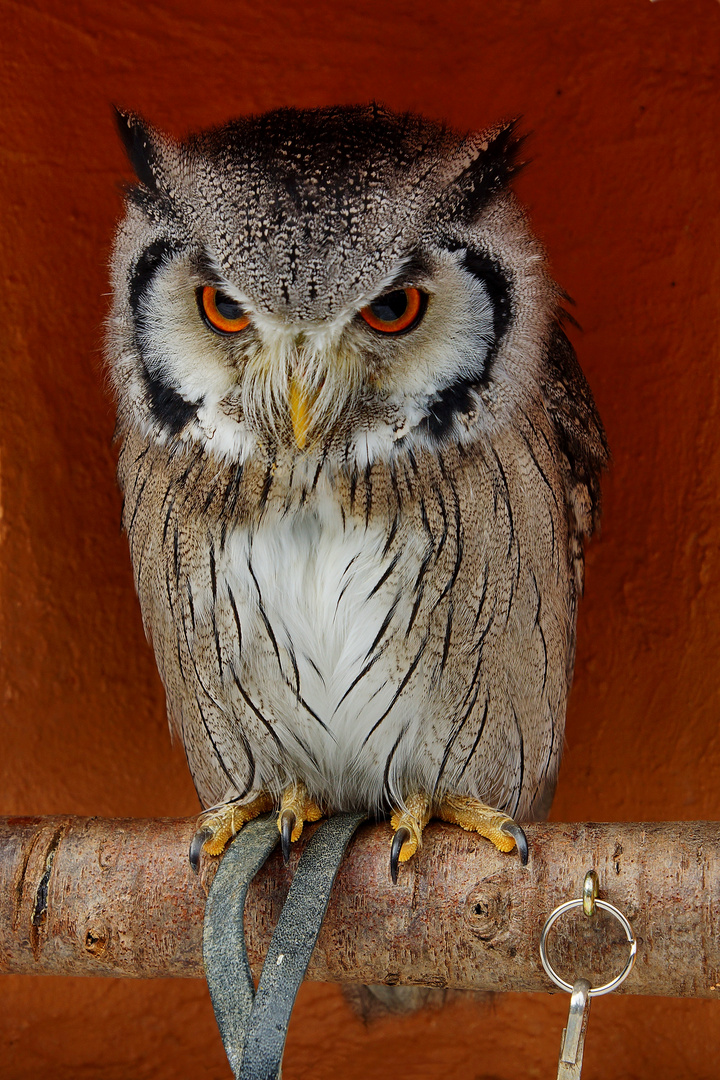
x=96, y=940
x=485, y=911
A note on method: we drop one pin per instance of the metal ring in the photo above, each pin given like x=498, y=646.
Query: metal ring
x=595, y=991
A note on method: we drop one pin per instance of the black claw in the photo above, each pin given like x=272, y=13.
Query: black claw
x=399, y=839
x=196, y=846
x=514, y=830
x=287, y=824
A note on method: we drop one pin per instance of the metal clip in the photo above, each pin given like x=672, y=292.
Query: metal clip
x=573, y=1040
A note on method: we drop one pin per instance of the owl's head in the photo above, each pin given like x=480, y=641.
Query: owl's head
x=345, y=281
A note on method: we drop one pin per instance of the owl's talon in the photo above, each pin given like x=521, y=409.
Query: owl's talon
x=408, y=824
x=196, y=846
x=401, y=837
x=296, y=807
x=518, y=834
x=288, y=822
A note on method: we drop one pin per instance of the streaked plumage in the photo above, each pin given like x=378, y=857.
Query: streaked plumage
x=358, y=554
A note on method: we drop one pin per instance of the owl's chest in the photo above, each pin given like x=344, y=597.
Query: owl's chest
x=314, y=595
x=365, y=637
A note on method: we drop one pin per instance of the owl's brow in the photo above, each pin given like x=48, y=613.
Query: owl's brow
x=207, y=269
x=413, y=268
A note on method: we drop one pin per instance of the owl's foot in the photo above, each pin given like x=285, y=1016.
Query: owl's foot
x=468, y=813
x=295, y=809
x=474, y=816
x=217, y=826
x=408, y=825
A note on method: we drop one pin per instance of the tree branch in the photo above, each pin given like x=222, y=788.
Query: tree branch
x=83, y=896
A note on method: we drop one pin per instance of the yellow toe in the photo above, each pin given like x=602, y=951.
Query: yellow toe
x=414, y=818
x=297, y=801
x=474, y=816
x=224, y=821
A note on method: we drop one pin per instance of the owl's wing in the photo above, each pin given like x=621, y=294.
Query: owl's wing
x=581, y=441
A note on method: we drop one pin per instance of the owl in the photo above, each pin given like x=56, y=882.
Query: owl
x=359, y=460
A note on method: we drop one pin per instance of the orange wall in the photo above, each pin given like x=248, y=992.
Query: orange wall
x=623, y=99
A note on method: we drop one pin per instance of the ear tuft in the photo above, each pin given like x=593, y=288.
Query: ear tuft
x=483, y=164
x=137, y=138
x=501, y=146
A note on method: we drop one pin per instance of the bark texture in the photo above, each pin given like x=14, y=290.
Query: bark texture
x=84, y=896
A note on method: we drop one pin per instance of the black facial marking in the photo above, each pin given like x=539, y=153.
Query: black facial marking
x=167, y=406
x=496, y=282
x=451, y=401
x=458, y=398
x=145, y=269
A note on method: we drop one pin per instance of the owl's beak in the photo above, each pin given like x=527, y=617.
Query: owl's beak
x=300, y=403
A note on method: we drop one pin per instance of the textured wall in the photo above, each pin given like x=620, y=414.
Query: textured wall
x=623, y=99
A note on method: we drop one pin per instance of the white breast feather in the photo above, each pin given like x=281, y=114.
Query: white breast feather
x=315, y=580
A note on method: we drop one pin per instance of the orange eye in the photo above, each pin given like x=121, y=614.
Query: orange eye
x=221, y=313
x=396, y=311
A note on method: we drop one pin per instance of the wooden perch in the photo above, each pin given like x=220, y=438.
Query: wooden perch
x=82, y=896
